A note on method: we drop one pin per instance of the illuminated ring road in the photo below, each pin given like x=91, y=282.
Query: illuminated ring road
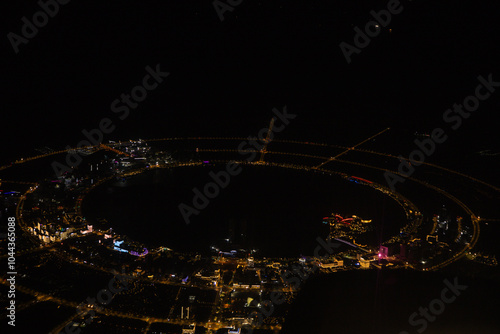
x=324, y=160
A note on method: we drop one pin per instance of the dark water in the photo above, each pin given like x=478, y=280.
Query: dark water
x=381, y=302
x=275, y=210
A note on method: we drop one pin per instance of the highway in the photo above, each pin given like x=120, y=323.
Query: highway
x=318, y=166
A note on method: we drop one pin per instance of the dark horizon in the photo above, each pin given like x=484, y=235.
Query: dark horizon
x=225, y=77
x=223, y=68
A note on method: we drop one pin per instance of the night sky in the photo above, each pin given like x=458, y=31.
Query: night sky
x=227, y=75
